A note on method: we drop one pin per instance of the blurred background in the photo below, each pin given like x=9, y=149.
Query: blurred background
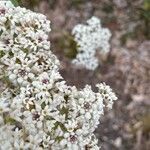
x=126, y=68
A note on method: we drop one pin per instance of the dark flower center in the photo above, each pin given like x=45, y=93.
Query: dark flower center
x=45, y=81
x=40, y=39
x=7, y=42
x=22, y=72
x=36, y=116
x=87, y=106
x=73, y=138
x=2, y=11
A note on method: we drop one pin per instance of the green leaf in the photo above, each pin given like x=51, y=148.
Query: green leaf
x=18, y=61
x=146, y=5
x=59, y=138
x=1, y=32
x=1, y=54
x=15, y=2
x=9, y=120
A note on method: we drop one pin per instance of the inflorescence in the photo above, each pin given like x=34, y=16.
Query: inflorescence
x=37, y=109
x=90, y=38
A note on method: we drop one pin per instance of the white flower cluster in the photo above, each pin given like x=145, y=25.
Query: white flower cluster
x=38, y=111
x=90, y=38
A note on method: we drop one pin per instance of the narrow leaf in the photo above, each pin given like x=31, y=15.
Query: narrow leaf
x=15, y=2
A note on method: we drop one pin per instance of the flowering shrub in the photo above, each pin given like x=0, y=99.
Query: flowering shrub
x=89, y=38
x=37, y=109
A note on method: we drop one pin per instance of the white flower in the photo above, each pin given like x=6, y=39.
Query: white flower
x=38, y=110
x=107, y=94
x=89, y=38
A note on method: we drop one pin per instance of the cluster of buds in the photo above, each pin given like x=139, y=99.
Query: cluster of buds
x=38, y=110
x=90, y=38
